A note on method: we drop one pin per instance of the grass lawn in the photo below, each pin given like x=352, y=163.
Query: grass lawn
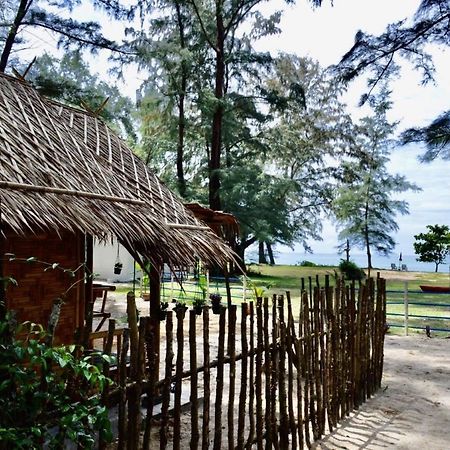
x=279, y=279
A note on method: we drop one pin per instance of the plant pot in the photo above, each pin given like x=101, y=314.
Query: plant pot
x=180, y=309
x=216, y=307
x=118, y=268
x=198, y=310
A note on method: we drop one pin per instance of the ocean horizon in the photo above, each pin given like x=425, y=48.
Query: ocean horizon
x=333, y=259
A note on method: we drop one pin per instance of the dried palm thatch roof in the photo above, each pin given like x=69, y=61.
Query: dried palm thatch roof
x=224, y=224
x=64, y=168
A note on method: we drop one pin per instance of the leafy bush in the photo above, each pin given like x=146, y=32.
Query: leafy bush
x=306, y=263
x=46, y=393
x=351, y=271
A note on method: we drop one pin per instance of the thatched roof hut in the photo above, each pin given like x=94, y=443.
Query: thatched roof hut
x=62, y=168
x=64, y=173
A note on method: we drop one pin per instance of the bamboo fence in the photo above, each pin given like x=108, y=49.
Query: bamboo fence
x=262, y=375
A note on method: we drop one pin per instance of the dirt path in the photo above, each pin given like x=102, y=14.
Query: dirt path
x=413, y=409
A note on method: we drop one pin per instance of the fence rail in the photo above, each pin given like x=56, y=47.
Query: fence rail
x=259, y=375
x=420, y=318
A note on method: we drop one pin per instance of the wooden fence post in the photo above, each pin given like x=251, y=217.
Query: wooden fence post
x=406, y=303
x=163, y=432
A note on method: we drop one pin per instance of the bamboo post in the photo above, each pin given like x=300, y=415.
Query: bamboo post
x=322, y=361
x=275, y=364
x=219, y=386
x=122, y=426
x=178, y=381
x=352, y=314
x=163, y=432
x=206, y=380
x=251, y=398
x=284, y=422
x=194, y=381
x=232, y=389
x=258, y=374
x=331, y=358
x=267, y=371
x=244, y=378
x=134, y=411
x=300, y=419
x=308, y=413
x=107, y=351
x=146, y=346
x=315, y=354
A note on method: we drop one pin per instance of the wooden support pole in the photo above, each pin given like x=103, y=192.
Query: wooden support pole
x=88, y=294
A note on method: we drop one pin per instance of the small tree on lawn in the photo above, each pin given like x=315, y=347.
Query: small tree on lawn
x=367, y=202
x=433, y=246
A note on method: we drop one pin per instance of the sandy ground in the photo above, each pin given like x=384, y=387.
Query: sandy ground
x=412, y=411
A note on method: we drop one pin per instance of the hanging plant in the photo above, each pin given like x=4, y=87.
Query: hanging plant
x=163, y=310
x=118, y=265
x=198, y=304
x=215, y=303
x=180, y=307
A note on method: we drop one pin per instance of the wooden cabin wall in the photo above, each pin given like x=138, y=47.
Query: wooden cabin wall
x=37, y=288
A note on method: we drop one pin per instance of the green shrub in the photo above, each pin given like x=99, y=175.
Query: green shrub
x=46, y=393
x=306, y=263
x=351, y=271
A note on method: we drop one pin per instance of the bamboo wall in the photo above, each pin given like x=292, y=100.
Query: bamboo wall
x=38, y=286
x=264, y=375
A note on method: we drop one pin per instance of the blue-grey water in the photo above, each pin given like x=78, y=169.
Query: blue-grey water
x=329, y=259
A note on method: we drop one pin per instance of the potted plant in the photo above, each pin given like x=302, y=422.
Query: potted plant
x=180, y=306
x=198, y=305
x=163, y=310
x=118, y=268
x=215, y=303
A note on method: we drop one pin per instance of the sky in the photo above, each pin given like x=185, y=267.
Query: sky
x=325, y=34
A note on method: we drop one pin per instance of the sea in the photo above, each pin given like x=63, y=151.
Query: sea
x=330, y=259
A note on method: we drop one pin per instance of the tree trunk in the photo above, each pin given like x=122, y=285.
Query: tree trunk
x=22, y=9
x=216, y=137
x=437, y=267
x=347, y=251
x=270, y=253
x=181, y=113
x=366, y=235
x=261, y=255
x=243, y=245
